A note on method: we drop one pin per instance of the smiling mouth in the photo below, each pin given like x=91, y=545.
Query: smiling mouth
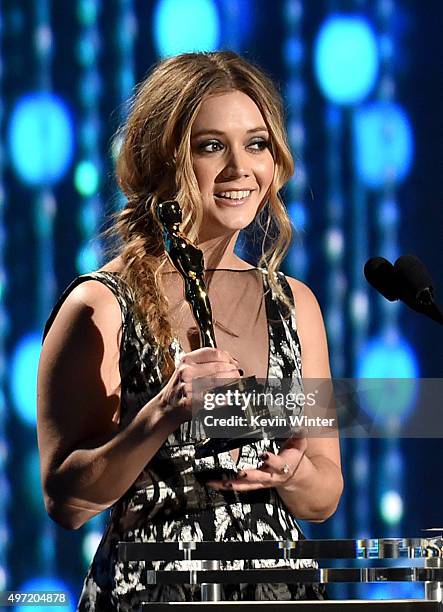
x=233, y=200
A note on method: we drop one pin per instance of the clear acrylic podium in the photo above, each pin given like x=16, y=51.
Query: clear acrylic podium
x=416, y=560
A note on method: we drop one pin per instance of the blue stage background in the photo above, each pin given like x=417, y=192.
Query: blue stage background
x=362, y=84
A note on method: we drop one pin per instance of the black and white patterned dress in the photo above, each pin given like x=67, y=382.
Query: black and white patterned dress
x=167, y=502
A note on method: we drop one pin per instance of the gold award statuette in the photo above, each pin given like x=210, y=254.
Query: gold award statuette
x=189, y=262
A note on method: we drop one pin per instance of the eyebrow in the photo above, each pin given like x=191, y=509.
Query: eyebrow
x=221, y=133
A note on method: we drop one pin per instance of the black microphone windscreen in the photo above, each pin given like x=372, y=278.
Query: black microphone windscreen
x=379, y=273
x=414, y=280
x=412, y=271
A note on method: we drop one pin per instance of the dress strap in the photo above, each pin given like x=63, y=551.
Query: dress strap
x=286, y=287
x=285, y=357
x=276, y=306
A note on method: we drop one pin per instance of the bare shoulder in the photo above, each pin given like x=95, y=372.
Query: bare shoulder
x=311, y=330
x=304, y=298
x=91, y=301
x=85, y=333
x=84, y=330
x=94, y=294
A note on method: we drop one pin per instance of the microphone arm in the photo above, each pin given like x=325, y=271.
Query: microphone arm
x=407, y=280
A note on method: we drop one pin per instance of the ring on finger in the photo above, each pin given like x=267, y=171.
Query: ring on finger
x=285, y=469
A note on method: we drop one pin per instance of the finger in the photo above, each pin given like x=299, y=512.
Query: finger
x=243, y=487
x=264, y=475
x=184, y=398
x=282, y=465
x=297, y=443
x=200, y=372
x=273, y=467
x=236, y=485
x=211, y=379
x=214, y=368
x=206, y=354
x=271, y=462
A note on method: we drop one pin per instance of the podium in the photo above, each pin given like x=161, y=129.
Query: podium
x=412, y=605
x=397, y=560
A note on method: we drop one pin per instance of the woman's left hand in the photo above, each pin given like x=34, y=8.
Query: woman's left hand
x=276, y=470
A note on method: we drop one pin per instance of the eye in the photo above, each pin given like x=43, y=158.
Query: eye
x=259, y=145
x=210, y=146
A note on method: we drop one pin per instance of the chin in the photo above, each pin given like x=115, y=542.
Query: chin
x=224, y=229
x=229, y=220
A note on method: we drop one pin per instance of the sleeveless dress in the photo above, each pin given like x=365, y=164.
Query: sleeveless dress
x=168, y=502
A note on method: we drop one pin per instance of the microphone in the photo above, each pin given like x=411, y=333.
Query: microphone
x=415, y=282
x=407, y=280
x=379, y=273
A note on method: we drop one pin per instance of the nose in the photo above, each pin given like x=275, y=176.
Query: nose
x=236, y=164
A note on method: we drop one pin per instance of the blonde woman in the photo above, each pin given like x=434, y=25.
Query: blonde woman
x=120, y=348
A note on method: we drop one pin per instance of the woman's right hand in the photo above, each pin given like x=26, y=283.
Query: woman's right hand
x=179, y=397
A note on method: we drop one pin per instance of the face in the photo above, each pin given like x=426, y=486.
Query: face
x=232, y=162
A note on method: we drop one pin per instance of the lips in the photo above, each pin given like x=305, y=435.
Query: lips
x=230, y=201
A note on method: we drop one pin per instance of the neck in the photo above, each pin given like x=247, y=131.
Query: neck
x=219, y=252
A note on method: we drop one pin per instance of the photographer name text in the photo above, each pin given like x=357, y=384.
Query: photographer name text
x=210, y=420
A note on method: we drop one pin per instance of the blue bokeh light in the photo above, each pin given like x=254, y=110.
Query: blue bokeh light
x=391, y=507
x=24, y=377
x=293, y=51
x=90, y=544
x=86, y=178
x=32, y=482
x=47, y=584
x=298, y=215
x=40, y=137
x=239, y=22
x=393, y=365
x=387, y=358
x=89, y=217
x=297, y=261
x=383, y=143
x=346, y=59
x=88, y=259
x=181, y=27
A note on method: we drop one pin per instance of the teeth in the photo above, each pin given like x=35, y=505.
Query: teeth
x=234, y=195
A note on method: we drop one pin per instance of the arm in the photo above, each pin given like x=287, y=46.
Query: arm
x=87, y=462
x=314, y=491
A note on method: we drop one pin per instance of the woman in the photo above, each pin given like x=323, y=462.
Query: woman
x=121, y=350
